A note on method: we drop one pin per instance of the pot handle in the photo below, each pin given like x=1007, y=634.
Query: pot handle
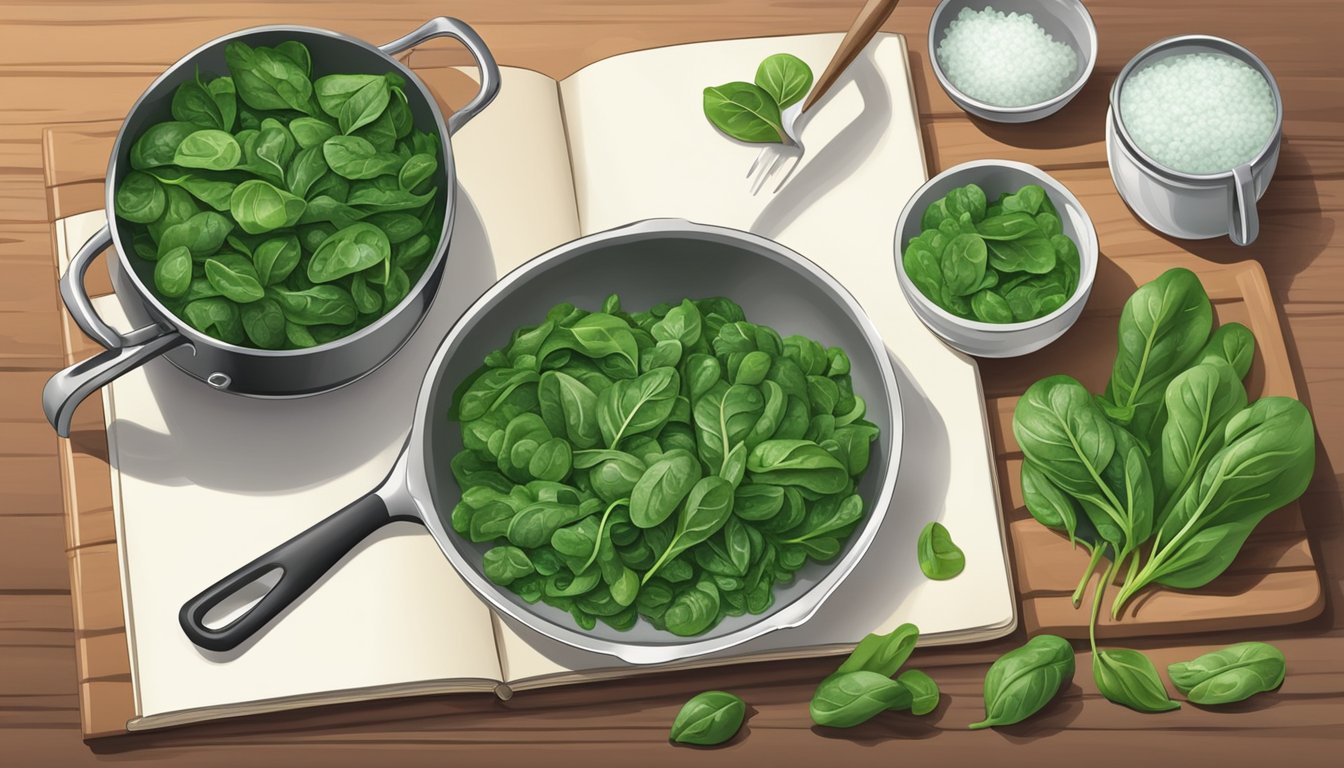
x=460, y=31
x=77, y=299
x=1245, y=218
x=68, y=388
x=302, y=561
x=64, y=391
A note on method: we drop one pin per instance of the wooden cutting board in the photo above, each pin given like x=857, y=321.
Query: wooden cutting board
x=1273, y=581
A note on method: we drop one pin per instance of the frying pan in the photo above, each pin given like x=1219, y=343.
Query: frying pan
x=646, y=263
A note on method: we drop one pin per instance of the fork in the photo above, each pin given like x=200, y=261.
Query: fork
x=790, y=152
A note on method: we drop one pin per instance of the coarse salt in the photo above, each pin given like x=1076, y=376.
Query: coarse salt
x=1198, y=113
x=1005, y=59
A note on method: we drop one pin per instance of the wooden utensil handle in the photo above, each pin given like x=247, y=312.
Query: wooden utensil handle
x=866, y=24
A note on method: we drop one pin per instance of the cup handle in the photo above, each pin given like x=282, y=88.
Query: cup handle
x=1245, y=225
x=460, y=31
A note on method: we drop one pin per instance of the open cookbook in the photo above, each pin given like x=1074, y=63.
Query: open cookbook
x=203, y=482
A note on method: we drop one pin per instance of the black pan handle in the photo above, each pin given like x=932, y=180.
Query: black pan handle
x=302, y=560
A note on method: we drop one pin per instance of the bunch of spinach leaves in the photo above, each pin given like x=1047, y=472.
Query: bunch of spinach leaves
x=674, y=464
x=280, y=211
x=1003, y=262
x=751, y=111
x=1168, y=471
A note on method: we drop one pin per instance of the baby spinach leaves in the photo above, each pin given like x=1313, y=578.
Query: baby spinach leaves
x=709, y=719
x=1022, y=681
x=939, y=558
x=863, y=688
x=750, y=112
x=650, y=464
x=311, y=181
x=1232, y=674
x=1006, y=262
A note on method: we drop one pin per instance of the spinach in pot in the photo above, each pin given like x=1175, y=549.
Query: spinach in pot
x=305, y=205
x=674, y=464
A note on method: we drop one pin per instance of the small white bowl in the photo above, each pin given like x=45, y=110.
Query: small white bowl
x=1065, y=20
x=999, y=339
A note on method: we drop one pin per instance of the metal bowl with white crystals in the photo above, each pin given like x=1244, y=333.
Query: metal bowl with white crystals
x=1067, y=21
x=999, y=339
x=646, y=263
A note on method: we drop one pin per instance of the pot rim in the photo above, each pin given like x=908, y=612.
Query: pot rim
x=1217, y=45
x=165, y=316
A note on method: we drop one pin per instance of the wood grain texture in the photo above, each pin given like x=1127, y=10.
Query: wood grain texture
x=60, y=66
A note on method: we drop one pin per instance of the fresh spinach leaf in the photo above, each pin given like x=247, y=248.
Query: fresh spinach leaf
x=1229, y=675
x=745, y=112
x=1022, y=681
x=939, y=558
x=847, y=699
x=1128, y=677
x=709, y=719
x=785, y=77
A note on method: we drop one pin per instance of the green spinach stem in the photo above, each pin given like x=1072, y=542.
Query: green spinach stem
x=597, y=544
x=1097, y=550
x=1106, y=577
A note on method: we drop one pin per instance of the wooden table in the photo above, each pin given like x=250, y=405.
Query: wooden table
x=83, y=60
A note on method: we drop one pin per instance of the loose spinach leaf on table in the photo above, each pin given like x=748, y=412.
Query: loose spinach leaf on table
x=1022, y=681
x=709, y=719
x=924, y=693
x=847, y=699
x=1127, y=677
x=1229, y=675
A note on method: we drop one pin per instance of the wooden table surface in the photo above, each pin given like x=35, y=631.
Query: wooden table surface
x=86, y=60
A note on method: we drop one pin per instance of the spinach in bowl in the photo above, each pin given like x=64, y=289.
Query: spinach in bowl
x=674, y=464
x=281, y=211
x=1008, y=261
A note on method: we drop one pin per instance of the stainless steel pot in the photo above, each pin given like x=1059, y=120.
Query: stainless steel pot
x=227, y=367
x=645, y=263
x=1186, y=205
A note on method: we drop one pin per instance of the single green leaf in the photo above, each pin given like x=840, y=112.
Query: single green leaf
x=785, y=77
x=924, y=693
x=709, y=719
x=939, y=558
x=847, y=699
x=882, y=654
x=1022, y=681
x=745, y=112
x=1231, y=674
x=1128, y=677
